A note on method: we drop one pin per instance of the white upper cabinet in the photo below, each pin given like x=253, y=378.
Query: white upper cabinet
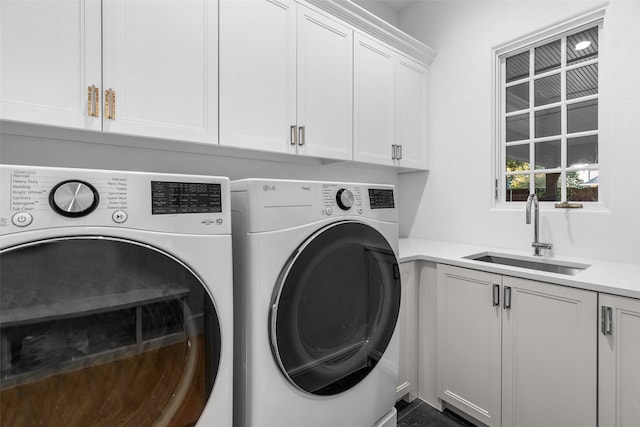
x=258, y=74
x=375, y=101
x=161, y=63
x=412, y=113
x=133, y=67
x=285, y=79
x=50, y=55
x=325, y=86
x=390, y=106
x=318, y=78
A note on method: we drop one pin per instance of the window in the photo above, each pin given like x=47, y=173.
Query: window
x=547, y=130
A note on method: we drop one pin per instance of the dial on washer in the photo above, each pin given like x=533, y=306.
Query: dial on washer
x=74, y=198
x=345, y=199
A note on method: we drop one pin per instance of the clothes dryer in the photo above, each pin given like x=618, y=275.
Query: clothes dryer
x=116, y=298
x=317, y=291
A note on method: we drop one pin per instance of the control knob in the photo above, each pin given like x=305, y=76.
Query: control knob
x=345, y=199
x=74, y=198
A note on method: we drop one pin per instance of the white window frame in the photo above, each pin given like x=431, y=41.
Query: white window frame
x=539, y=38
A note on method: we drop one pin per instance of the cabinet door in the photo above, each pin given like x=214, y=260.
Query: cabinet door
x=374, y=104
x=408, y=326
x=51, y=54
x=468, y=341
x=161, y=59
x=325, y=86
x=258, y=74
x=619, y=352
x=412, y=113
x=549, y=355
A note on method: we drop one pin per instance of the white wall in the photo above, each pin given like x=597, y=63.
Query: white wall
x=455, y=202
x=65, y=152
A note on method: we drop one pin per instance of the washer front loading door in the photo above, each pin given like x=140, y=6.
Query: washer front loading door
x=102, y=331
x=335, y=308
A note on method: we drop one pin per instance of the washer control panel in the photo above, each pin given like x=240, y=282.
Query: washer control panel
x=40, y=197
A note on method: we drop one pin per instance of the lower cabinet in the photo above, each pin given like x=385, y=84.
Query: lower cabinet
x=408, y=328
x=516, y=352
x=619, y=353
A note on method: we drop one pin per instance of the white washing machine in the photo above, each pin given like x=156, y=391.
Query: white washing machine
x=317, y=291
x=117, y=303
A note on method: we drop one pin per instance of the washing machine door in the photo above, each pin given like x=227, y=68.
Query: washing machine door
x=335, y=308
x=103, y=331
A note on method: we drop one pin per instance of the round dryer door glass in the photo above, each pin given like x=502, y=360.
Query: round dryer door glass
x=100, y=331
x=335, y=308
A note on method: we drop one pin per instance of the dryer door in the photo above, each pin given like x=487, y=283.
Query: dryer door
x=102, y=331
x=335, y=308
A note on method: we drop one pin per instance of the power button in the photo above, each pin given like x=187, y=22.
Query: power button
x=22, y=219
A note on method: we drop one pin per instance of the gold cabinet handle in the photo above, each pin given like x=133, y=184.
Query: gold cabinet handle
x=106, y=103
x=113, y=105
x=110, y=104
x=96, y=96
x=90, y=101
x=93, y=99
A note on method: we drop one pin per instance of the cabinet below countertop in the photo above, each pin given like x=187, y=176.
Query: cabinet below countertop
x=500, y=340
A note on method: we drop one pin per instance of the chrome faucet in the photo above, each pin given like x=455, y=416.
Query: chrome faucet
x=537, y=246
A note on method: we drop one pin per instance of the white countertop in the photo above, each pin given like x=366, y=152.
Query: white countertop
x=601, y=276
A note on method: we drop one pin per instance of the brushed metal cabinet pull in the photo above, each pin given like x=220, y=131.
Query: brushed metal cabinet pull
x=399, y=157
x=294, y=135
x=507, y=297
x=496, y=295
x=301, y=138
x=607, y=320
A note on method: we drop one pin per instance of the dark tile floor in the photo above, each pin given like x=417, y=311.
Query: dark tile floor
x=421, y=414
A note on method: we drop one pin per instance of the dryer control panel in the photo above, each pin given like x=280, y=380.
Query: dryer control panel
x=42, y=197
x=277, y=204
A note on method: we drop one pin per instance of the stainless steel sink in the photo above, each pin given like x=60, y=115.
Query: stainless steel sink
x=542, y=264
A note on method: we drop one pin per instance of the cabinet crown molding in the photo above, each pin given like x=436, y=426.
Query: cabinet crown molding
x=369, y=23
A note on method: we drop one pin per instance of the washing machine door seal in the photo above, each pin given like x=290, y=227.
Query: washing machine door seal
x=102, y=330
x=335, y=308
